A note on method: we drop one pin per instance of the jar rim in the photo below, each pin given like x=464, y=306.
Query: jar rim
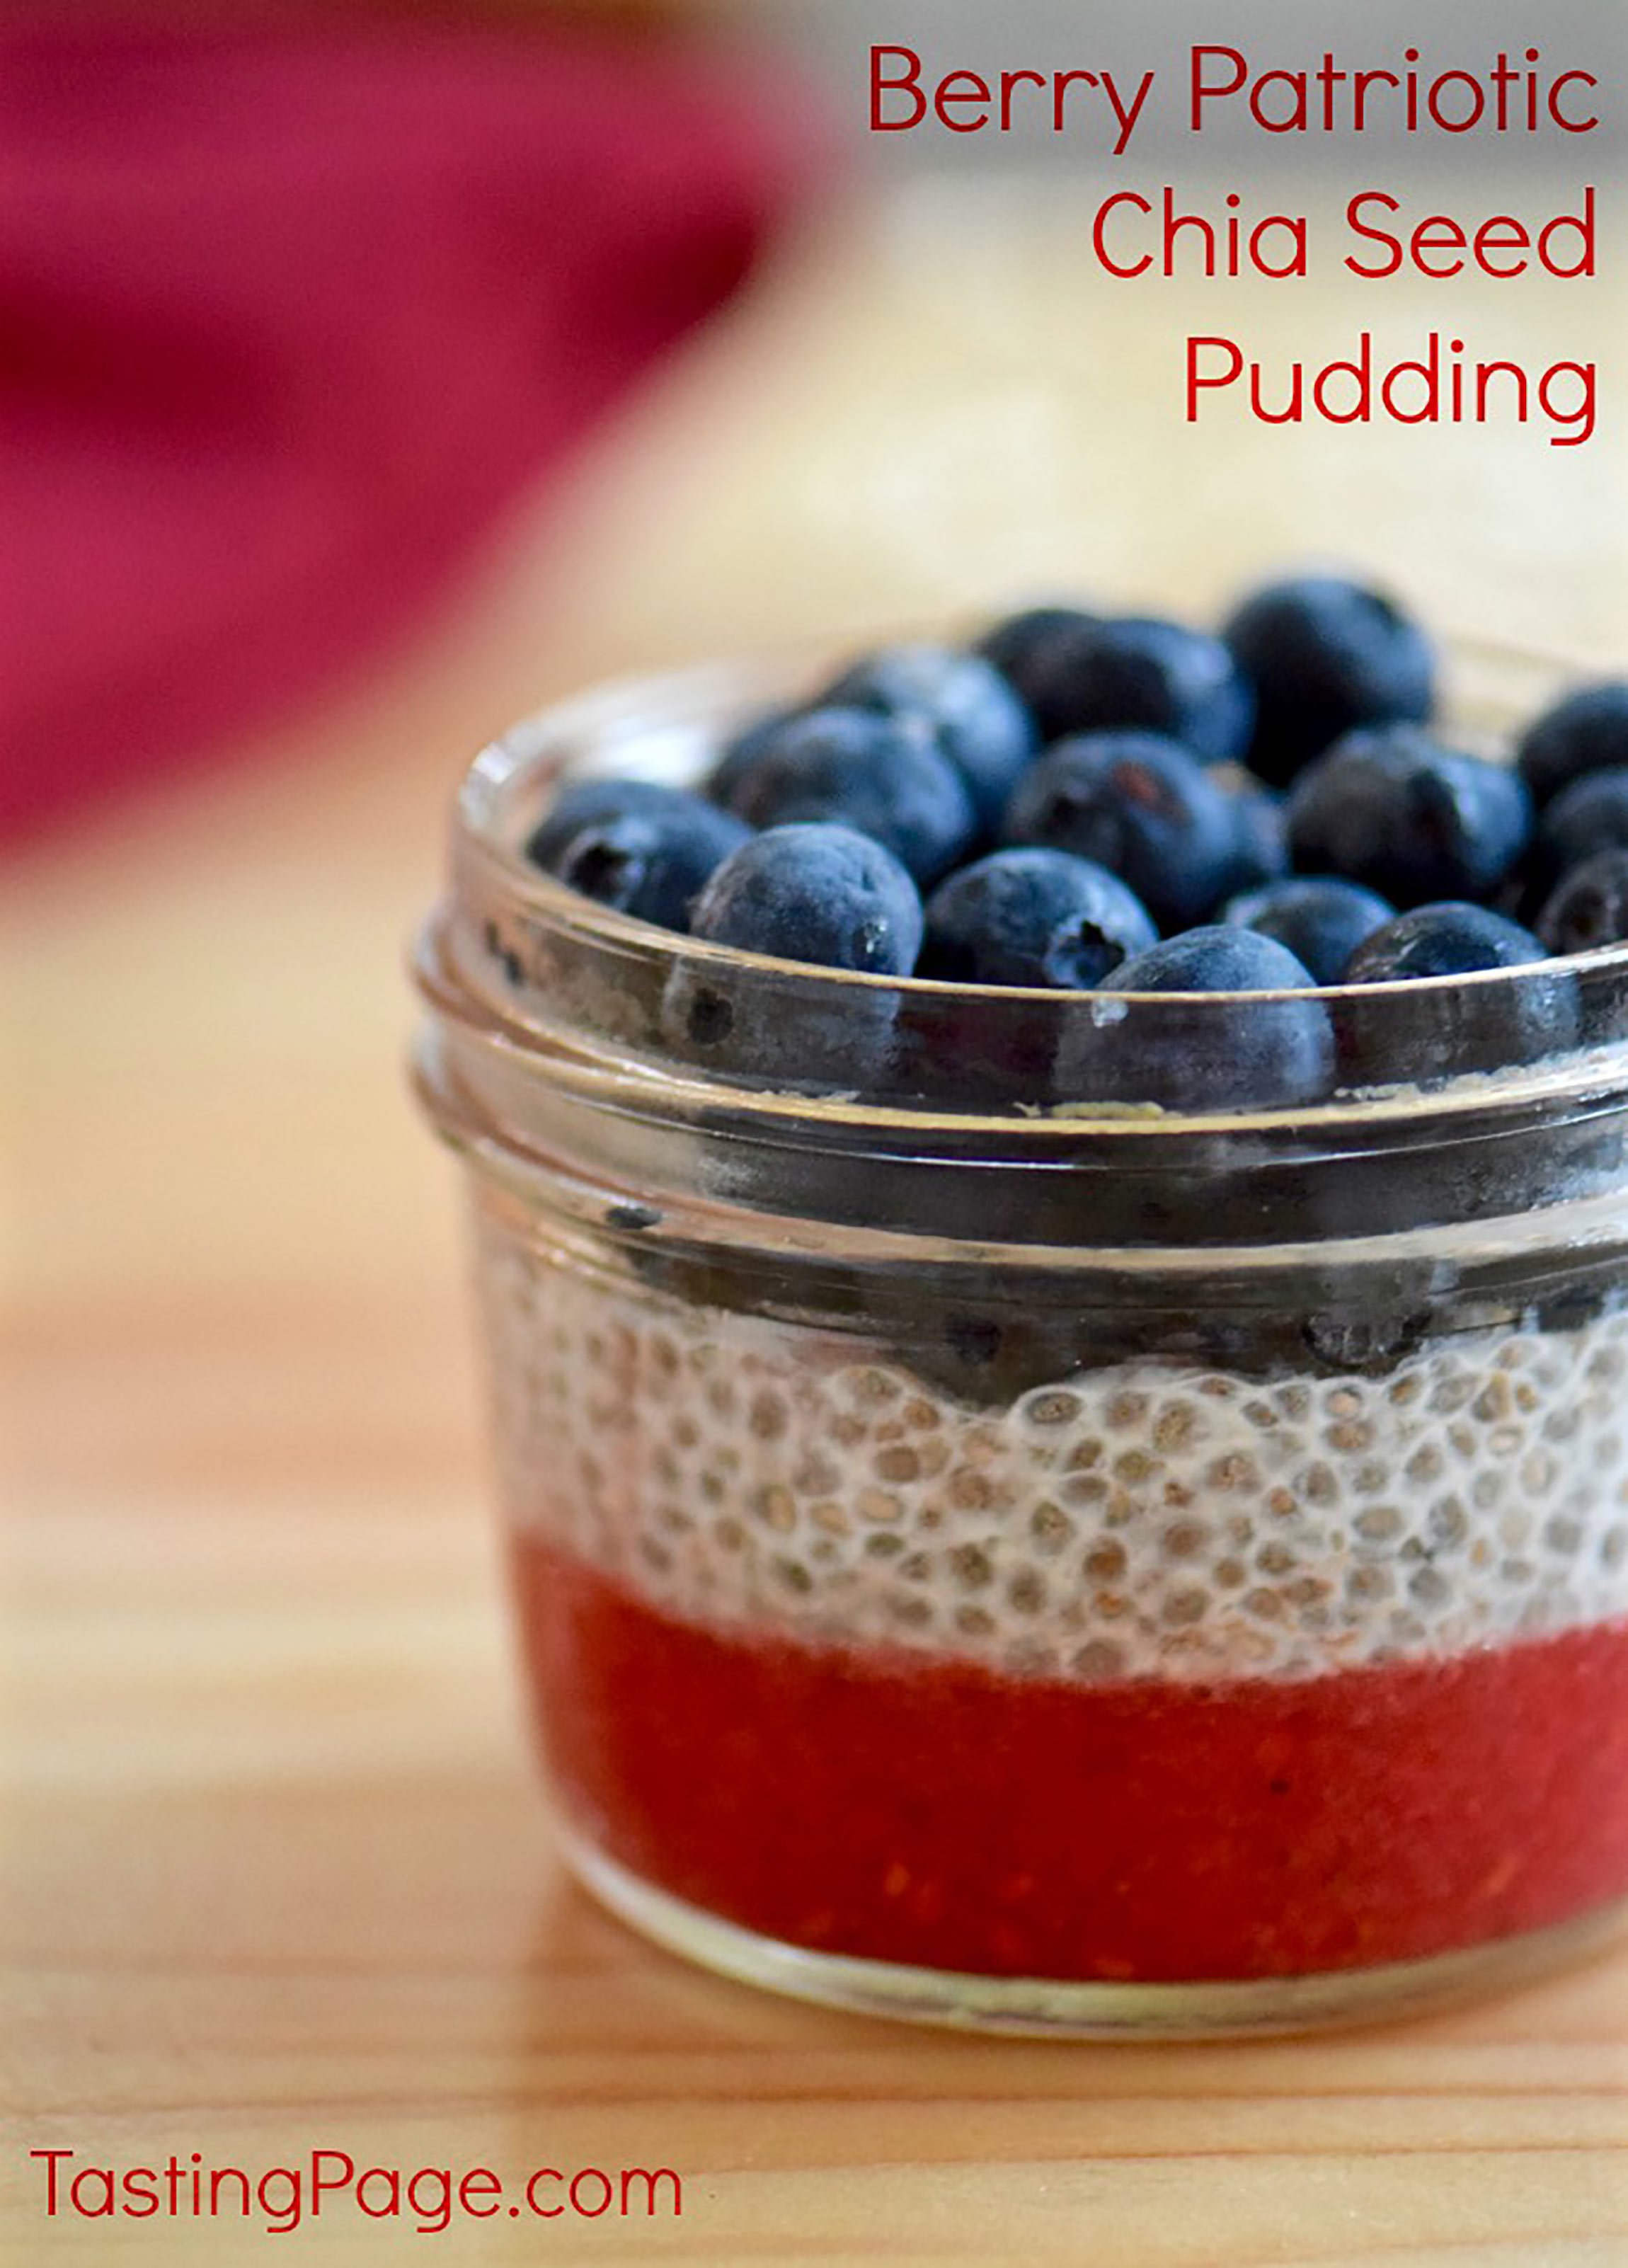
x=504, y=762
x=545, y=971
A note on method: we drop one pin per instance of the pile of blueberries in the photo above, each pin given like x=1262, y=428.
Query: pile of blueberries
x=1128, y=804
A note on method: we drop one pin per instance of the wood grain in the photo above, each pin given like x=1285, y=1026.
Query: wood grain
x=275, y=1874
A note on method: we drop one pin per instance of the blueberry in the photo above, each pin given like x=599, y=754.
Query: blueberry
x=861, y=768
x=819, y=893
x=1321, y=920
x=1260, y=831
x=743, y=749
x=1324, y=656
x=1586, y=732
x=1396, y=810
x=1018, y=644
x=1590, y=815
x=1215, y=958
x=814, y=893
x=978, y=721
x=1142, y=806
x=1590, y=906
x=1137, y=673
x=1261, y=1054
x=1441, y=940
x=778, y=1028
x=1445, y=1030
x=648, y=858
x=583, y=803
x=1033, y=917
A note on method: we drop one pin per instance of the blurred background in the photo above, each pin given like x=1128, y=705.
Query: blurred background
x=306, y=307
x=373, y=374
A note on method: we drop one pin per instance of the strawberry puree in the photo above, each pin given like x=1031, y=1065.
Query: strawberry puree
x=921, y=1809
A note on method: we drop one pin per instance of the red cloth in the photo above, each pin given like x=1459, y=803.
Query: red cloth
x=287, y=310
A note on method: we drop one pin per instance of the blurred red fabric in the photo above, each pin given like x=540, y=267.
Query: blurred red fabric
x=287, y=308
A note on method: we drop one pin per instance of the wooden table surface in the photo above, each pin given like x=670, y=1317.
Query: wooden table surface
x=276, y=1874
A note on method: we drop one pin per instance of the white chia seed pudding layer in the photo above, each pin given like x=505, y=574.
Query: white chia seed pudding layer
x=1144, y=1520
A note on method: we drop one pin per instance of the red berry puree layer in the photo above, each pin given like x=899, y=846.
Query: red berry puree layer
x=908, y=1807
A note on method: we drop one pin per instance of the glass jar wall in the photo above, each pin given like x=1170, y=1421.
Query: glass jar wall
x=990, y=1549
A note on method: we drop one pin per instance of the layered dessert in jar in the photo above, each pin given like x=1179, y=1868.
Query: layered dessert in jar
x=1051, y=1220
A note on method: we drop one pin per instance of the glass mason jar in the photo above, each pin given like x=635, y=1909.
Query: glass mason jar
x=987, y=1552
